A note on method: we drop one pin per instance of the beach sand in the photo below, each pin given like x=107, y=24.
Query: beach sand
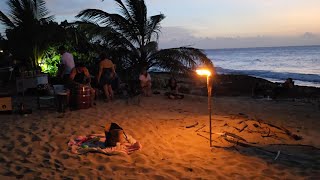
x=36, y=146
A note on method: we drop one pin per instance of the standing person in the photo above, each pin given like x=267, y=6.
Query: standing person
x=106, y=75
x=145, y=82
x=66, y=64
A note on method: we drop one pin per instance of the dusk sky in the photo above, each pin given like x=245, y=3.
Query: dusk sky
x=216, y=23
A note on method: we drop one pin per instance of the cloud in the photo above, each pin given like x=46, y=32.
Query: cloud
x=309, y=35
x=178, y=36
x=215, y=27
x=63, y=9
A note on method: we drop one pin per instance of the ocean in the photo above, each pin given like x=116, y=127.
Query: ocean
x=301, y=63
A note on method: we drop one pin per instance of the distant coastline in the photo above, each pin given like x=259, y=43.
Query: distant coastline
x=263, y=47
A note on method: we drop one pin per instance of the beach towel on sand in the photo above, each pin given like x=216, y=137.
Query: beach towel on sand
x=96, y=143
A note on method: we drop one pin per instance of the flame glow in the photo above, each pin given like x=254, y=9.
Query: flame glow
x=202, y=72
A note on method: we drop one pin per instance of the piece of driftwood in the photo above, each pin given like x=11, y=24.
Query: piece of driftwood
x=203, y=136
x=243, y=115
x=200, y=128
x=193, y=125
x=245, y=126
x=278, y=154
x=302, y=145
x=234, y=136
x=268, y=135
x=286, y=131
x=277, y=127
x=256, y=125
x=289, y=133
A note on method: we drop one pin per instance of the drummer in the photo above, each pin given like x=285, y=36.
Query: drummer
x=80, y=76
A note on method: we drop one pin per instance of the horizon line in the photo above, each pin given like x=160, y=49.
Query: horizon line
x=261, y=47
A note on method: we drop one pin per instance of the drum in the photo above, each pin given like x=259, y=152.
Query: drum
x=81, y=97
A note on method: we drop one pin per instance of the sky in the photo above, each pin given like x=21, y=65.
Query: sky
x=214, y=24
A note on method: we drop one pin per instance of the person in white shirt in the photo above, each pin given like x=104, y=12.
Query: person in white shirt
x=145, y=82
x=66, y=64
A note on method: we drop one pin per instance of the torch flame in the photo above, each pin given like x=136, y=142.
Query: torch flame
x=202, y=72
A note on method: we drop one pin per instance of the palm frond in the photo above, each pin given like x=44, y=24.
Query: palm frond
x=124, y=10
x=151, y=48
x=16, y=10
x=110, y=36
x=40, y=9
x=6, y=21
x=136, y=35
x=115, y=21
x=138, y=12
x=153, y=26
x=28, y=11
x=179, y=59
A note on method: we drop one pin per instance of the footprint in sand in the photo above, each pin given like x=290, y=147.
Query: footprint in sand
x=35, y=138
x=45, y=163
x=20, y=137
x=59, y=165
x=173, y=172
x=33, y=127
x=24, y=144
x=158, y=177
x=10, y=146
x=65, y=156
x=48, y=148
x=22, y=130
x=20, y=176
x=47, y=156
x=101, y=168
x=20, y=153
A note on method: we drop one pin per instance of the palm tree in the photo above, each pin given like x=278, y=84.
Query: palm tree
x=135, y=35
x=29, y=28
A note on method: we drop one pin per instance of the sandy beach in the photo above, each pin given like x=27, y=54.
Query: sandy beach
x=35, y=147
x=128, y=83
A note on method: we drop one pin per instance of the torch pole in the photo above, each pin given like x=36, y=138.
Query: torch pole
x=209, y=86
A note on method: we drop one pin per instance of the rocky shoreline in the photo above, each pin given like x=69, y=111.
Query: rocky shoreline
x=234, y=85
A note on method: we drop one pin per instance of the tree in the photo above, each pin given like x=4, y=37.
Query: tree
x=2, y=42
x=29, y=29
x=135, y=36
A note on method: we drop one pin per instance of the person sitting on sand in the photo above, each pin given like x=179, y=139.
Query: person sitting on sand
x=288, y=84
x=285, y=89
x=106, y=76
x=80, y=76
x=173, y=85
x=173, y=93
x=145, y=82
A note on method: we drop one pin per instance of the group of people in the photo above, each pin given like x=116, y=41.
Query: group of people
x=76, y=74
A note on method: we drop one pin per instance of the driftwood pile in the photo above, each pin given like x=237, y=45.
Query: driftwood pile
x=257, y=137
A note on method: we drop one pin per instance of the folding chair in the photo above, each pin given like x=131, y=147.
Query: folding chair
x=45, y=100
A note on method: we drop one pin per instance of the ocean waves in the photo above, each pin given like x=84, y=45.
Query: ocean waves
x=275, y=63
x=309, y=79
